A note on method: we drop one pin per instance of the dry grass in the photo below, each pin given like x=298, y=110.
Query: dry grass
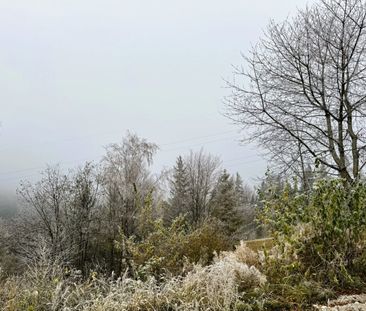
x=219, y=286
x=257, y=245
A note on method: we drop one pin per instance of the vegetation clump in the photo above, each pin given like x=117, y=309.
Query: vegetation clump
x=46, y=285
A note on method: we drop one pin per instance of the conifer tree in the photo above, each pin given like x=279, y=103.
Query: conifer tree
x=179, y=191
x=244, y=193
x=225, y=204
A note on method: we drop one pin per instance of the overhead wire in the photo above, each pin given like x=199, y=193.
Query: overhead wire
x=236, y=165
x=72, y=139
x=163, y=150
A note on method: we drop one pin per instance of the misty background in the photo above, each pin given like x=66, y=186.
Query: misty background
x=76, y=75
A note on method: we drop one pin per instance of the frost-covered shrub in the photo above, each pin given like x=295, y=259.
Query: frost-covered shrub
x=169, y=250
x=244, y=254
x=220, y=285
x=47, y=286
x=41, y=287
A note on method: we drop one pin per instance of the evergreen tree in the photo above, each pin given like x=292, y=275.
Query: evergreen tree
x=244, y=193
x=179, y=191
x=225, y=204
x=271, y=186
x=247, y=200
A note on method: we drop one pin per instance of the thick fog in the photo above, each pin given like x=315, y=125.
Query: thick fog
x=76, y=75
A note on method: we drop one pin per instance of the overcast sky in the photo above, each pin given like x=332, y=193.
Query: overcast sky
x=76, y=75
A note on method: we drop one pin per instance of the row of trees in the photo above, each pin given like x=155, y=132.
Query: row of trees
x=88, y=216
x=200, y=189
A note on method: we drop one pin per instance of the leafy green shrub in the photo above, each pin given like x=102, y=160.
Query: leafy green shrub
x=161, y=251
x=320, y=237
x=169, y=250
x=205, y=241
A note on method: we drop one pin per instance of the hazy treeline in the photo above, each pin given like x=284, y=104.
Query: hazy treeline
x=91, y=216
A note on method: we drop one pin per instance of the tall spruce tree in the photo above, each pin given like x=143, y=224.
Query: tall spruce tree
x=244, y=193
x=179, y=191
x=225, y=204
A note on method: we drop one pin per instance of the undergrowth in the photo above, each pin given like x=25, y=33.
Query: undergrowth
x=48, y=286
x=317, y=251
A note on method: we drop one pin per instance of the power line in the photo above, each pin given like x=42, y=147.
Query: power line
x=72, y=139
x=52, y=142
x=242, y=158
x=198, y=144
x=163, y=150
x=197, y=138
x=41, y=167
x=68, y=162
x=245, y=162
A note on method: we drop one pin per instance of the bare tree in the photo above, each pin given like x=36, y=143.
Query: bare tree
x=47, y=202
x=303, y=96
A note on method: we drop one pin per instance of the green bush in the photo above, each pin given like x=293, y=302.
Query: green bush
x=320, y=237
x=168, y=250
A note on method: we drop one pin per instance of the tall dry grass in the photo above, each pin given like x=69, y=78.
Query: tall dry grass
x=47, y=285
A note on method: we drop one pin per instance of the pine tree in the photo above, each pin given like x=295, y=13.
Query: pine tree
x=246, y=198
x=244, y=193
x=225, y=204
x=179, y=191
x=271, y=186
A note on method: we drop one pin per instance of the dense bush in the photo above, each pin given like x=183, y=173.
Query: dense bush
x=320, y=237
x=171, y=250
